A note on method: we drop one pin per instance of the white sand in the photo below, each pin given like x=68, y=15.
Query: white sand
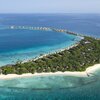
x=57, y=51
x=67, y=73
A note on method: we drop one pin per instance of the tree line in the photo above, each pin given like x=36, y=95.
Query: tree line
x=78, y=58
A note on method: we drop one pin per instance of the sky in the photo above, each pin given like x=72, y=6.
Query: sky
x=49, y=6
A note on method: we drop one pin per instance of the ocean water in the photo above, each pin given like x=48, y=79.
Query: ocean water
x=20, y=44
x=48, y=87
x=52, y=88
x=88, y=24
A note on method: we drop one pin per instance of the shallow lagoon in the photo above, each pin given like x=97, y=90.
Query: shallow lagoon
x=52, y=88
x=21, y=44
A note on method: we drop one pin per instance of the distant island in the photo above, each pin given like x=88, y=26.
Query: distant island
x=77, y=58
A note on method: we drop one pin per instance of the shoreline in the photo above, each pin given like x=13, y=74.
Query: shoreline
x=87, y=73
x=55, y=52
x=49, y=53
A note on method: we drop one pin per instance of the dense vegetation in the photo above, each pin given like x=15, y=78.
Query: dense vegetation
x=77, y=58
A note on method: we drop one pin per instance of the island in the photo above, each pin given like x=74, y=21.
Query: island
x=76, y=58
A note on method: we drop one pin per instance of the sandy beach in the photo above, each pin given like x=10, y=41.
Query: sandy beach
x=86, y=73
x=47, y=54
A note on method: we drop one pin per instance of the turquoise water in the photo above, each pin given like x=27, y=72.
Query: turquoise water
x=19, y=44
x=52, y=87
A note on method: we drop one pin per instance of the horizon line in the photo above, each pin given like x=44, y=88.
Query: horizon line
x=50, y=13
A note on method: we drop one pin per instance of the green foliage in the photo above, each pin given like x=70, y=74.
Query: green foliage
x=75, y=59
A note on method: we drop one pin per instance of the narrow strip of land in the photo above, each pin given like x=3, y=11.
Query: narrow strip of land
x=88, y=73
x=77, y=58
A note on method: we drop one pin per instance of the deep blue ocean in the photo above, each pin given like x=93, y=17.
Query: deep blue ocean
x=26, y=44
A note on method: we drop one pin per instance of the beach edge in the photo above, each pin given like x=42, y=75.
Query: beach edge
x=88, y=72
